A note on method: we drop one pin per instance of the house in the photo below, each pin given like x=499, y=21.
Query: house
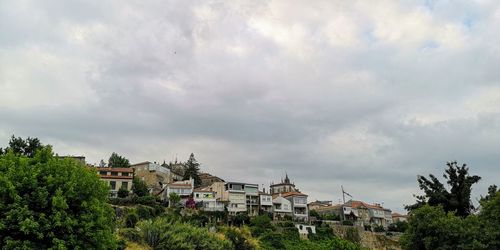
x=183, y=188
x=206, y=199
x=366, y=214
x=328, y=211
x=117, y=178
x=176, y=169
x=397, y=217
x=236, y=197
x=299, y=205
x=153, y=174
x=318, y=204
x=265, y=202
x=252, y=198
x=388, y=217
x=207, y=179
x=281, y=207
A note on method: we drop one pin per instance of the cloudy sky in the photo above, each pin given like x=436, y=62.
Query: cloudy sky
x=365, y=94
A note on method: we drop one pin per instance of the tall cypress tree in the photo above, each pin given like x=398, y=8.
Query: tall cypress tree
x=192, y=169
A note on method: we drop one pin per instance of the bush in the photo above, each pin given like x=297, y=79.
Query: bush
x=131, y=219
x=273, y=240
x=162, y=233
x=347, y=223
x=378, y=228
x=241, y=219
x=130, y=234
x=240, y=238
x=123, y=192
x=260, y=224
x=145, y=212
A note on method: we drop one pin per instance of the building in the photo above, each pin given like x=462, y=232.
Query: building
x=236, y=197
x=283, y=187
x=265, y=202
x=330, y=212
x=397, y=217
x=366, y=214
x=305, y=229
x=183, y=188
x=177, y=170
x=78, y=158
x=252, y=198
x=299, y=205
x=207, y=179
x=281, y=207
x=318, y=204
x=154, y=175
x=117, y=178
x=205, y=198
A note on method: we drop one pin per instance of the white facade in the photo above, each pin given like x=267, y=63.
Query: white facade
x=208, y=200
x=303, y=229
x=183, y=188
x=266, y=200
x=282, y=205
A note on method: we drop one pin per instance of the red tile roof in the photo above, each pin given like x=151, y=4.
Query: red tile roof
x=126, y=170
x=287, y=194
x=357, y=204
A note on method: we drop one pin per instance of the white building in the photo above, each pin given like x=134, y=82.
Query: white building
x=183, y=188
x=281, y=207
x=207, y=198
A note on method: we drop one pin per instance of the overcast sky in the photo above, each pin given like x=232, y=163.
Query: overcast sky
x=365, y=94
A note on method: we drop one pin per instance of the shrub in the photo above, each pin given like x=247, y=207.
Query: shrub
x=273, y=239
x=131, y=219
x=145, y=212
x=240, y=238
x=130, y=234
x=347, y=223
x=378, y=228
x=123, y=192
x=260, y=224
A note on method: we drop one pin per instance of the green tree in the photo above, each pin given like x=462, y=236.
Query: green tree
x=173, y=199
x=139, y=187
x=260, y=224
x=118, y=161
x=47, y=202
x=20, y=146
x=457, y=199
x=192, y=169
x=490, y=218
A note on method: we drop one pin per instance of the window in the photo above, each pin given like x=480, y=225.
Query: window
x=113, y=185
x=125, y=184
x=103, y=173
x=114, y=173
x=124, y=174
x=197, y=195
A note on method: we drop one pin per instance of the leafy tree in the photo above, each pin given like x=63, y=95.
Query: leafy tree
x=399, y=226
x=492, y=192
x=24, y=147
x=118, y=161
x=490, y=216
x=173, y=199
x=122, y=192
x=457, y=199
x=139, y=187
x=430, y=227
x=47, y=202
x=192, y=169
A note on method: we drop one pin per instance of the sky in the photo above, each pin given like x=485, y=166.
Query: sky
x=364, y=94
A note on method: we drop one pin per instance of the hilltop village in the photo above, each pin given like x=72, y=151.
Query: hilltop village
x=283, y=200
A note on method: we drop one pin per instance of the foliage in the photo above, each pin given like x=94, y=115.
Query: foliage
x=162, y=233
x=192, y=169
x=174, y=199
x=490, y=218
x=378, y=228
x=331, y=217
x=352, y=234
x=190, y=203
x=430, y=227
x=130, y=234
x=139, y=187
x=123, y=192
x=399, y=226
x=240, y=238
x=131, y=219
x=347, y=223
x=492, y=192
x=260, y=224
x=457, y=199
x=241, y=219
x=118, y=161
x=20, y=146
x=145, y=212
x=47, y=202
